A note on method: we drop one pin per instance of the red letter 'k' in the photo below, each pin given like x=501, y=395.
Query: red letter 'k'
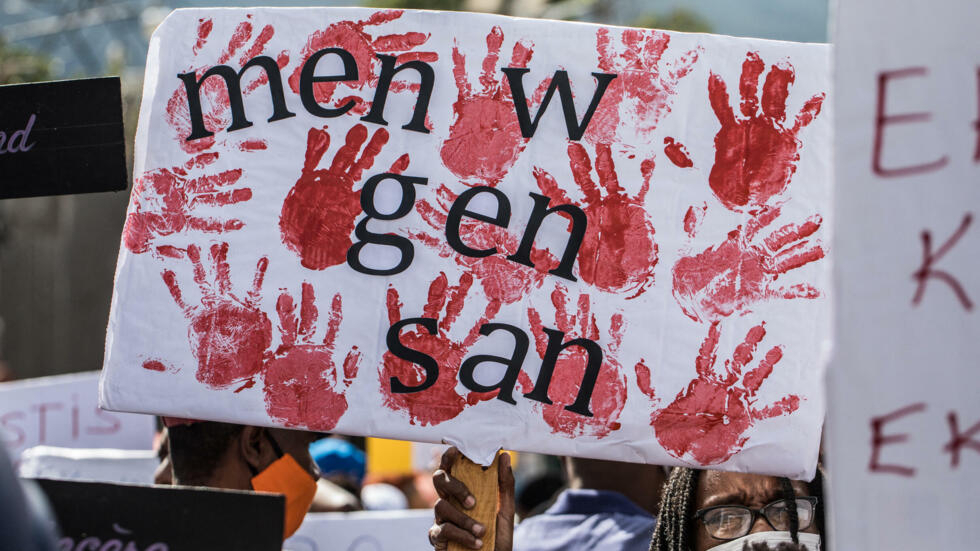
x=928, y=259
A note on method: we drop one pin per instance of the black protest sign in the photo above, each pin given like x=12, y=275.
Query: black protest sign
x=61, y=137
x=96, y=515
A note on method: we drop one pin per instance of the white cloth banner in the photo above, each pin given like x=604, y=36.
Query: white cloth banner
x=904, y=423
x=63, y=411
x=98, y=465
x=363, y=244
x=363, y=531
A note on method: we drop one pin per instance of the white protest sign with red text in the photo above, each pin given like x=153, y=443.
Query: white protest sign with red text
x=904, y=423
x=546, y=236
x=63, y=411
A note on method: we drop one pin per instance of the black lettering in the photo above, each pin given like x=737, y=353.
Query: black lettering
x=576, y=130
x=579, y=224
x=366, y=236
x=594, y=361
x=507, y=382
x=307, y=80
x=411, y=355
x=233, y=84
x=458, y=211
x=388, y=70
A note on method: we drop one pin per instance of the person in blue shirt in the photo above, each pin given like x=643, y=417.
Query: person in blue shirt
x=607, y=505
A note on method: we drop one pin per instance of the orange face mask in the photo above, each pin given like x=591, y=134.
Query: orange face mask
x=285, y=476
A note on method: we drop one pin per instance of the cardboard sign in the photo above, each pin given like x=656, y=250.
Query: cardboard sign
x=547, y=236
x=904, y=423
x=363, y=531
x=98, y=465
x=61, y=137
x=95, y=515
x=63, y=411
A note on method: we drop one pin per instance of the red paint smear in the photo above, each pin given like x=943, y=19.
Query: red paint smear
x=644, y=87
x=440, y=402
x=164, y=200
x=756, y=156
x=677, y=153
x=485, y=138
x=707, y=421
x=609, y=395
x=228, y=335
x=351, y=36
x=693, y=218
x=253, y=145
x=319, y=212
x=304, y=384
x=739, y=272
x=502, y=280
x=154, y=365
x=204, y=28
x=618, y=253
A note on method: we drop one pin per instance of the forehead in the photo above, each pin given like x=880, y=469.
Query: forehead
x=718, y=488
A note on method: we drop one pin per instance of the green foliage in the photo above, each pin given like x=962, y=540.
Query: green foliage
x=679, y=19
x=22, y=65
x=447, y=5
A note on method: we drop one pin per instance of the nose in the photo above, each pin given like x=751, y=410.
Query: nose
x=760, y=525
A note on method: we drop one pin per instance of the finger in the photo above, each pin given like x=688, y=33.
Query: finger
x=442, y=534
x=505, y=508
x=447, y=512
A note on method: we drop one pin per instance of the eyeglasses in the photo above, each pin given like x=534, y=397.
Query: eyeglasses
x=728, y=522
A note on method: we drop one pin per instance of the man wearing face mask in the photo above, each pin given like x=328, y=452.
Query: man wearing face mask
x=242, y=457
x=722, y=511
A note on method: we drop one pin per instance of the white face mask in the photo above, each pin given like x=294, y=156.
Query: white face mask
x=810, y=541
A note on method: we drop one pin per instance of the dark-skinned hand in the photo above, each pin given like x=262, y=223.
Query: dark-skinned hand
x=453, y=524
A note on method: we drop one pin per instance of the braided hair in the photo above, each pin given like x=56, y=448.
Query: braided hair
x=675, y=523
x=674, y=527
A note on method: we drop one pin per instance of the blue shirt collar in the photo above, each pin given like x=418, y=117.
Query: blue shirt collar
x=591, y=502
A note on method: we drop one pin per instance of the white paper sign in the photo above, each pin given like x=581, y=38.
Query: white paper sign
x=905, y=394
x=99, y=465
x=384, y=238
x=63, y=411
x=363, y=531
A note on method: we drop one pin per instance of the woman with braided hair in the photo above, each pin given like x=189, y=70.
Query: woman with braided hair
x=722, y=511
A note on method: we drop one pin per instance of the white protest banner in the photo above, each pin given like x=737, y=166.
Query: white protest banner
x=63, y=411
x=98, y=465
x=546, y=236
x=904, y=420
x=363, y=531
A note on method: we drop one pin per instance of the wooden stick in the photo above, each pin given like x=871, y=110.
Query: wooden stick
x=483, y=483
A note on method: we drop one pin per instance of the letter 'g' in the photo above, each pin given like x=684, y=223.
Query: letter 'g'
x=366, y=236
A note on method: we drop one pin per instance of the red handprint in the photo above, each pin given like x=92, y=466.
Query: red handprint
x=485, y=138
x=228, y=335
x=618, y=253
x=319, y=212
x=440, y=402
x=350, y=36
x=643, y=89
x=706, y=421
x=214, y=94
x=303, y=385
x=163, y=200
x=755, y=157
x=609, y=395
x=730, y=277
x=502, y=280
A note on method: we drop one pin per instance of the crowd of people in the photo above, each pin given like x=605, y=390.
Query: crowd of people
x=596, y=504
x=600, y=505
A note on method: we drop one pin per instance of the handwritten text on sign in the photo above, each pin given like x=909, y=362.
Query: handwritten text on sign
x=557, y=231
x=904, y=430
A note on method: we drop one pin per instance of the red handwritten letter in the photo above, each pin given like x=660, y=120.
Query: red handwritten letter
x=881, y=119
x=959, y=441
x=878, y=440
x=929, y=258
